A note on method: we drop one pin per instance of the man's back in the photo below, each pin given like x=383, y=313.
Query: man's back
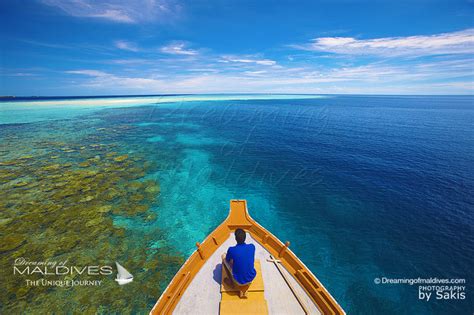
x=243, y=256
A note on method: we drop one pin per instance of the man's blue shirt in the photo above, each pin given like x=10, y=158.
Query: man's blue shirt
x=243, y=256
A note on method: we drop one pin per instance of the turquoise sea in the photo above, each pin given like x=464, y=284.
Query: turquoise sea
x=363, y=187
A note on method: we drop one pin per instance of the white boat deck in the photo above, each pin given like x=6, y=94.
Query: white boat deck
x=203, y=294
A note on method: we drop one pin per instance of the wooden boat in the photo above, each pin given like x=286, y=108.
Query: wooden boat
x=283, y=285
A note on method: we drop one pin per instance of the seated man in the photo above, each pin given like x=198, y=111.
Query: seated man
x=239, y=261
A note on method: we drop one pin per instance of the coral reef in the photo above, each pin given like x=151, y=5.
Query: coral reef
x=64, y=196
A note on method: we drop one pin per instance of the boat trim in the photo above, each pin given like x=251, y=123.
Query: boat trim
x=239, y=218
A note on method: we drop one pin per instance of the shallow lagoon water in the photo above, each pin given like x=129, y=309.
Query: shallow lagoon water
x=363, y=187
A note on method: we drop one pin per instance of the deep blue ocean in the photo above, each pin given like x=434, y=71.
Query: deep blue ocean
x=363, y=187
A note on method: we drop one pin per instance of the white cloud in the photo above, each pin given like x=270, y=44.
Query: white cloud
x=130, y=61
x=20, y=74
x=116, y=15
x=120, y=11
x=461, y=42
x=255, y=73
x=91, y=73
x=202, y=70
x=125, y=45
x=262, y=62
x=178, y=48
x=434, y=77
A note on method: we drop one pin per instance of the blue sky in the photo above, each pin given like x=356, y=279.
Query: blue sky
x=85, y=47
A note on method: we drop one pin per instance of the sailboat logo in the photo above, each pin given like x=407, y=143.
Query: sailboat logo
x=123, y=276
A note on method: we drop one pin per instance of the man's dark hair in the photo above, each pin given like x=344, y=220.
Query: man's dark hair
x=240, y=236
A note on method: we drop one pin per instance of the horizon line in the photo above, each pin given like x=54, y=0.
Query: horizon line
x=13, y=97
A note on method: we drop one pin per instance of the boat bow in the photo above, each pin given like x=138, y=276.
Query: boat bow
x=239, y=218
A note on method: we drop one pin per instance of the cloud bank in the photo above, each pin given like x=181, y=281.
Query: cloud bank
x=461, y=42
x=119, y=11
x=178, y=48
